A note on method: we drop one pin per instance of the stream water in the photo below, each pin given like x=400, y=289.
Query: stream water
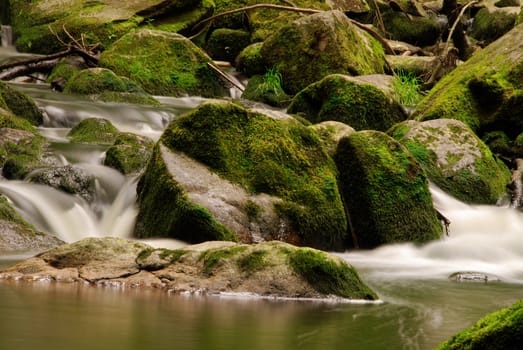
x=421, y=306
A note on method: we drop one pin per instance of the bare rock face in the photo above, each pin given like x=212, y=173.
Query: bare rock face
x=272, y=269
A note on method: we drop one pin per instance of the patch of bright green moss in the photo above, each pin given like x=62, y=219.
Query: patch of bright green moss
x=20, y=104
x=252, y=262
x=214, y=258
x=329, y=276
x=129, y=153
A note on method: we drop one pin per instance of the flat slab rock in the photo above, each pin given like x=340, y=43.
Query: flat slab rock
x=207, y=268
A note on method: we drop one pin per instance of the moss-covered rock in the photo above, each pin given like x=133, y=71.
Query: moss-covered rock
x=93, y=130
x=455, y=159
x=416, y=30
x=485, y=91
x=385, y=192
x=266, y=89
x=331, y=132
x=20, y=104
x=103, y=84
x=129, y=153
x=271, y=269
x=20, y=151
x=499, y=330
x=280, y=158
x=38, y=23
x=315, y=46
x=163, y=64
x=489, y=25
x=225, y=44
x=350, y=100
x=250, y=61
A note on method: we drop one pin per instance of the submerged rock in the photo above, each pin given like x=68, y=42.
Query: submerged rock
x=272, y=269
x=498, y=330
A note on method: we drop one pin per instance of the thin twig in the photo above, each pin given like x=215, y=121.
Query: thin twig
x=461, y=13
x=223, y=75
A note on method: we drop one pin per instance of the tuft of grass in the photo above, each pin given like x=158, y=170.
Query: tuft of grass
x=272, y=82
x=407, y=87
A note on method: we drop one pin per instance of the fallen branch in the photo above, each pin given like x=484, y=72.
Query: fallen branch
x=224, y=76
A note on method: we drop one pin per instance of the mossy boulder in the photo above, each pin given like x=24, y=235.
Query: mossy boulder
x=331, y=132
x=416, y=30
x=250, y=61
x=502, y=329
x=274, y=174
x=317, y=45
x=490, y=24
x=21, y=151
x=163, y=63
x=93, y=130
x=20, y=104
x=485, y=92
x=225, y=44
x=385, y=192
x=271, y=269
x=105, y=85
x=350, y=100
x=455, y=159
x=38, y=23
x=129, y=153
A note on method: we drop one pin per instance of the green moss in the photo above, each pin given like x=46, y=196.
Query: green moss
x=385, y=192
x=167, y=212
x=318, y=45
x=252, y=210
x=490, y=25
x=281, y=158
x=267, y=89
x=250, y=61
x=99, y=80
x=501, y=330
x=129, y=153
x=253, y=262
x=163, y=64
x=225, y=44
x=20, y=104
x=329, y=276
x=337, y=97
x=93, y=130
x=214, y=258
x=20, y=155
x=421, y=31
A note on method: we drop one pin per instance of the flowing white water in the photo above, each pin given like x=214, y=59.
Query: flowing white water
x=482, y=238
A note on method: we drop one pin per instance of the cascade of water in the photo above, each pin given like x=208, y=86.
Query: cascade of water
x=6, y=36
x=482, y=238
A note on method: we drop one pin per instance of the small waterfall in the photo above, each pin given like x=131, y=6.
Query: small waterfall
x=483, y=238
x=6, y=35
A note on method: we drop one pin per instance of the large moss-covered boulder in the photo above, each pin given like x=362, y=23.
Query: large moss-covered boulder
x=485, y=92
x=163, y=63
x=350, y=100
x=501, y=330
x=455, y=159
x=272, y=269
x=20, y=104
x=385, y=192
x=417, y=30
x=129, y=153
x=38, y=23
x=105, y=85
x=93, y=130
x=271, y=179
x=225, y=44
x=315, y=46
